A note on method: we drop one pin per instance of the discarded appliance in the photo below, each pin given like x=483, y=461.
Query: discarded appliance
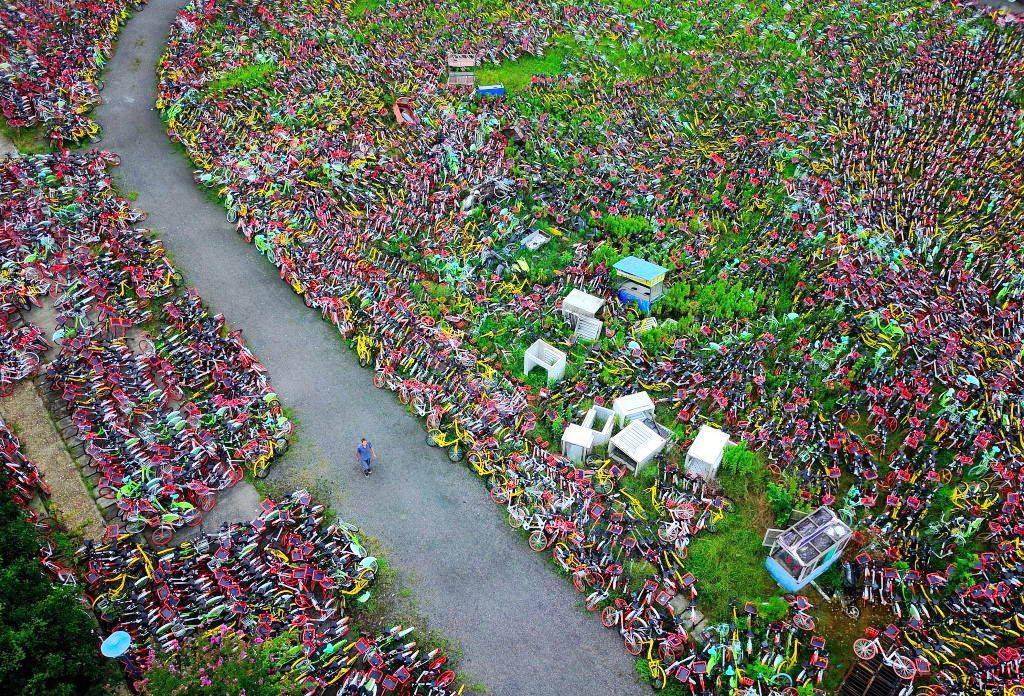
x=636, y=445
x=600, y=421
x=631, y=407
x=577, y=442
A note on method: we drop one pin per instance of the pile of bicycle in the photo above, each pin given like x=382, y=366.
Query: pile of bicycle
x=167, y=420
x=288, y=570
x=833, y=185
x=51, y=59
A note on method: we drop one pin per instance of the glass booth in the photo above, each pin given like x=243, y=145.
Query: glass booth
x=805, y=549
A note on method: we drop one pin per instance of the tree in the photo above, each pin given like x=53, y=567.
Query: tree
x=48, y=643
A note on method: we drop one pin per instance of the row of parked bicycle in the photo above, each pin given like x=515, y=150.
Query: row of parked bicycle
x=51, y=60
x=873, y=352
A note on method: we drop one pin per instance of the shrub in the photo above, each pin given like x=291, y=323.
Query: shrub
x=49, y=644
x=224, y=664
x=774, y=609
x=741, y=472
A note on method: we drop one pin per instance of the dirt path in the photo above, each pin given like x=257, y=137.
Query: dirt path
x=25, y=410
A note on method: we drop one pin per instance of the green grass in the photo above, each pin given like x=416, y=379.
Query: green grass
x=248, y=76
x=361, y=7
x=729, y=562
x=516, y=74
x=29, y=141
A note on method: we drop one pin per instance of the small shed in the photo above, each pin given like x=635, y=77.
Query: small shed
x=636, y=445
x=631, y=407
x=580, y=304
x=577, y=442
x=805, y=549
x=705, y=454
x=643, y=282
x=600, y=421
x=544, y=355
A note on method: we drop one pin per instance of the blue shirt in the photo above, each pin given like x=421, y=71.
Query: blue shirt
x=365, y=451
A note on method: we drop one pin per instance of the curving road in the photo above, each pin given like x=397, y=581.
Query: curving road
x=518, y=624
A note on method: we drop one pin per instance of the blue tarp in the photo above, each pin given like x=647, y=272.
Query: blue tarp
x=643, y=303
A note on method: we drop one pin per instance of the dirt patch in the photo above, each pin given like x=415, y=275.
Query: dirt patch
x=6, y=146
x=25, y=411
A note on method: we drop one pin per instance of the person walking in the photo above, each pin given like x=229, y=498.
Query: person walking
x=366, y=454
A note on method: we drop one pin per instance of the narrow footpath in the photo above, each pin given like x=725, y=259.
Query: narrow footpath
x=521, y=628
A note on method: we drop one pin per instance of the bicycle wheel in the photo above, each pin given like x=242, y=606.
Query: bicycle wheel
x=579, y=582
x=445, y=678
x=432, y=437
x=865, y=649
x=667, y=533
x=378, y=380
x=538, y=540
x=634, y=644
x=516, y=518
x=205, y=501
x=609, y=617
x=593, y=600
x=136, y=526
x=499, y=494
x=192, y=516
x=687, y=511
x=456, y=453
x=659, y=677
x=106, y=491
x=803, y=621
x=903, y=667
x=162, y=535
